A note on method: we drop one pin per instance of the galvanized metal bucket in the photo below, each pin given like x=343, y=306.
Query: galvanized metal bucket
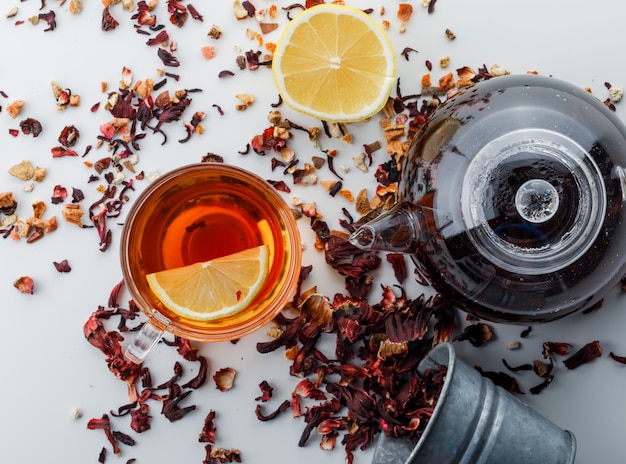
x=476, y=422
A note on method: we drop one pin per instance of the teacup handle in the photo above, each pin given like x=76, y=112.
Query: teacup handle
x=145, y=340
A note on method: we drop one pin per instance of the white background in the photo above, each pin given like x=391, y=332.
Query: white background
x=46, y=366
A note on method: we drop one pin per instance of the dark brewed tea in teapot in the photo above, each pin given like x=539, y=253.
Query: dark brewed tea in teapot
x=511, y=200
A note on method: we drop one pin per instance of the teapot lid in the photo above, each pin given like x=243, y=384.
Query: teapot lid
x=533, y=201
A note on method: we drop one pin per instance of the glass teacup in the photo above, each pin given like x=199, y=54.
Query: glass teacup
x=197, y=213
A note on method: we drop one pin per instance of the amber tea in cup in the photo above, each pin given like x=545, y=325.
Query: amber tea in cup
x=197, y=213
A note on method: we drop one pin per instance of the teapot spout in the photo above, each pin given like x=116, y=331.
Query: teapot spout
x=396, y=230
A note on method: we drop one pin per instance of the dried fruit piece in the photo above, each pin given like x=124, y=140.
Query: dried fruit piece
x=31, y=126
x=14, y=108
x=25, y=284
x=23, y=170
x=225, y=378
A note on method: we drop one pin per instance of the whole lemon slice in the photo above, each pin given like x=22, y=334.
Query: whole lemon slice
x=333, y=62
x=213, y=289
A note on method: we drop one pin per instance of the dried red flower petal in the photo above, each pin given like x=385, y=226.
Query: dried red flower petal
x=58, y=152
x=398, y=264
x=541, y=386
x=59, y=194
x=140, y=418
x=200, y=378
x=477, y=334
x=501, y=379
x=108, y=21
x=619, y=359
x=194, y=13
x=267, y=417
x=171, y=409
x=558, y=348
x=104, y=423
x=207, y=435
x=225, y=378
x=63, y=266
x=50, y=18
x=25, y=284
x=178, y=13
x=266, y=391
x=279, y=185
x=586, y=354
x=167, y=58
x=520, y=367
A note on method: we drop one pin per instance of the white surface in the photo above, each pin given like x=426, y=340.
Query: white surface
x=47, y=366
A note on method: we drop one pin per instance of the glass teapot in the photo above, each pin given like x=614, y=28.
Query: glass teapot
x=511, y=200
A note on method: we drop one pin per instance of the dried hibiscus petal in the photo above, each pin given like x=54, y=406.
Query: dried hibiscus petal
x=587, y=353
x=49, y=18
x=59, y=194
x=477, y=334
x=58, y=152
x=207, y=435
x=201, y=377
x=108, y=21
x=266, y=391
x=104, y=423
x=140, y=418
x=171, y=409
x=267, y=417
x=558, y=348
x=540, y=387
x=398, y=265
x=520, y=367
x=63, y=266
x=501, y=379
x=167, y=58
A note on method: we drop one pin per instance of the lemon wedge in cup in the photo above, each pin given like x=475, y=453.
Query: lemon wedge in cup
x=334, y=63
x=213, y=289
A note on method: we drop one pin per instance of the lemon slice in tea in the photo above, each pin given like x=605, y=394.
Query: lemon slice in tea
x=335, y=63
x=213, y=289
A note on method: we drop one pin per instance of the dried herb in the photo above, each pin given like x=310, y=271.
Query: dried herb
x=521, y=367
x=398, y=264
x=201, y=377
x=108, y=21
x=171, y=409
x=168, y=58
x=50, y=19
x=266, y=391
x=558, y=348
x=104, y=423
x=285, y=405
x=541, y=386
x=526, y=332
x=207, y=435
x=405, y=52
x=63, y=266
x=586, y=354
x=502, y=379
x=477, y=334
